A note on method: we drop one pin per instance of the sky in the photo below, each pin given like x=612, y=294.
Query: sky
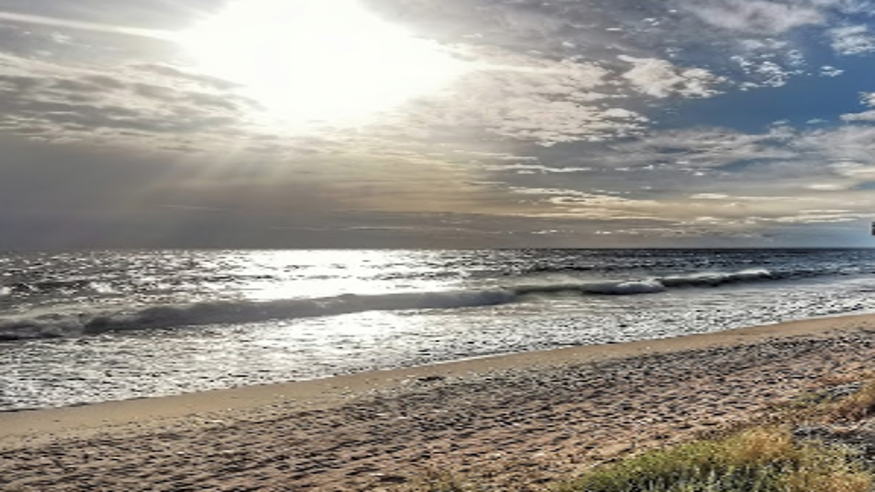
x=436, y=123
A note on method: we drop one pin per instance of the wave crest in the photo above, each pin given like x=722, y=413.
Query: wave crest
x=221, y=312
x=226, y=312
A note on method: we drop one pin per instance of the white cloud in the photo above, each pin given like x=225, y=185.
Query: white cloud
x=765, y=73
x=849, y=143
x=854, y=170
x=770, y=45
x=766, y=61
x=524, y=98
x=815, y=217
x=864, y=116
x=757, y=16
x=828, y=187
x=830, y=71
x=773, y=74
x=852, y=40
x=709, y=196
x=502, y=156
x=661, y=78
x=536, y=168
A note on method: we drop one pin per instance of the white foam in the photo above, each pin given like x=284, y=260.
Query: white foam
x=651, y=286
x=716, y=278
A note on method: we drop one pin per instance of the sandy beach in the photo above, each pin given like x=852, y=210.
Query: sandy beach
x=521, y=419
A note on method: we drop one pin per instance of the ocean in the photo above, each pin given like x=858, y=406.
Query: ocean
x=84, y=327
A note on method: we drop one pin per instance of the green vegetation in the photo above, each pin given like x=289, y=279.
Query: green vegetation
x=755, y=460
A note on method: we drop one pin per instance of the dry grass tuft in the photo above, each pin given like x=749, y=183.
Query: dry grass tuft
x=857, y=406
x=756, y=460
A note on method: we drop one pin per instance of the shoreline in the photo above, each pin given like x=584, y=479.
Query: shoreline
x=329, y=391
x=575, y=405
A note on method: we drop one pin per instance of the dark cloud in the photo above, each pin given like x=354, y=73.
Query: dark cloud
x=104, y=82
x=20, y=84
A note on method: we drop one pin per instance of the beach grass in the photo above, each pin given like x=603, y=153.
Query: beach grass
x=760, y=459
x=846, y=400
x=856, y=406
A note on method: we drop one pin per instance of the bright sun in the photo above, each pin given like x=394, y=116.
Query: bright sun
x=315, y=62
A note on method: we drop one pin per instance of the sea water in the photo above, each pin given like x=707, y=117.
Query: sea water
x=84, y=327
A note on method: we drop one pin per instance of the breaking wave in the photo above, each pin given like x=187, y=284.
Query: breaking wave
x=62, y=286
x=220, y=312
x=223, y=312
x=653, y=285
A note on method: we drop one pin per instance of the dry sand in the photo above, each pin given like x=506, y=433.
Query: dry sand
x=522, y=419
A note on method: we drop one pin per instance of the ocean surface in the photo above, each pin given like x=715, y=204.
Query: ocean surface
x=109, y=325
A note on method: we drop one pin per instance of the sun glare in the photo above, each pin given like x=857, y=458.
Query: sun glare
x=312, y=62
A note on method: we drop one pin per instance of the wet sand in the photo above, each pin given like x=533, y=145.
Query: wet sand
x=522, y=419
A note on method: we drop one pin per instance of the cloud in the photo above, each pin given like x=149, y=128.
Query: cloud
x=660, y=78
x=676, y=53
x=816, y=217
x=570, y=203
x=709, y=196
x=846, y=7
x=766, y=62
x=827, y=187
x=849, y=143
x=754, y=16
x=768, y=73
x=781, y=160
x=533, y=98
x=852, y=40
x=864, y=116
x=713, y=181
x=704, y=214
x=535, y=168
x=172, y=72
x=830, y=71
x=522, y=98
x=87, y=26
x=703, y=148
x=55, y=102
